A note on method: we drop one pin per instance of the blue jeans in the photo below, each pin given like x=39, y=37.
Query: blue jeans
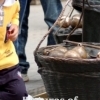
x=22, y=40
x=22, y=10
x=21, y=16
x=52, y=9
x=20, y=43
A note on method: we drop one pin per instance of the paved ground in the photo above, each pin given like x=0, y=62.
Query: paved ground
x=37, y=29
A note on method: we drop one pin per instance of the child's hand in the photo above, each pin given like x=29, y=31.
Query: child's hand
x=13, y=32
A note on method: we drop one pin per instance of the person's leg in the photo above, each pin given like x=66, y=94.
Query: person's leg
x=21, y=15
x=52, y=9
x=12, y=86
x=23, y=4
x=22, y=40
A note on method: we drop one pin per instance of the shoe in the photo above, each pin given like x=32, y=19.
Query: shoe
x=28, y=98
x=25, y=77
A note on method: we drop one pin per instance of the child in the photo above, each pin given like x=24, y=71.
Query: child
x=12, y=86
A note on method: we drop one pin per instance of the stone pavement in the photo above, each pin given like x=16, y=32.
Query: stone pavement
x=37, y=29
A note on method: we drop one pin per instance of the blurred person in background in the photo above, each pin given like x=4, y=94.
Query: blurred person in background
x=20, y=43
x=52, y=9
